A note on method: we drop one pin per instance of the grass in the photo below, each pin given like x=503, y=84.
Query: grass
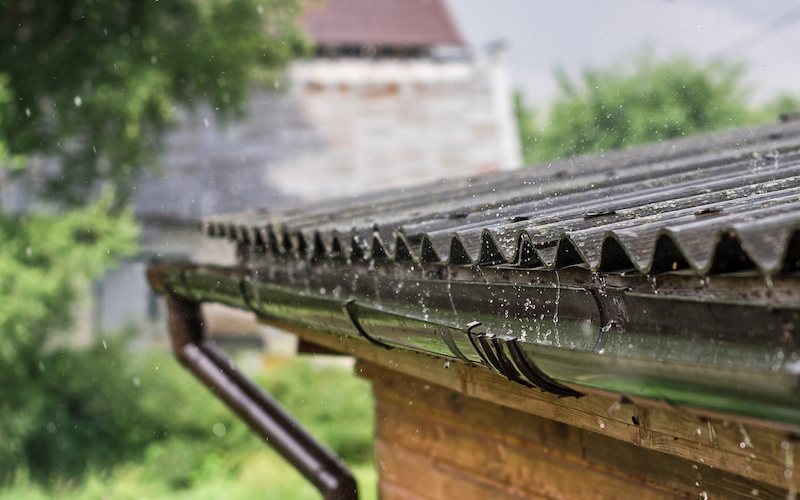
x=259, y=475
x=200, y=450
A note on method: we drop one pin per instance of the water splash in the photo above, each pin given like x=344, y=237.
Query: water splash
x=614, y=407
x=600, y=282
x=774, y=156
x=653, y=283
x=712, y=435
x=746, y=443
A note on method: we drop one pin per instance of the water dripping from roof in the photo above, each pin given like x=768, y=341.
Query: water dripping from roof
x=558, y=297
x=555, y=314
x=449, y=290
x=653, y=280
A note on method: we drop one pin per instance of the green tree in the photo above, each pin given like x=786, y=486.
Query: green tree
x=96, y=82
x=525, y=125
x=640, y=100
x=89, y=87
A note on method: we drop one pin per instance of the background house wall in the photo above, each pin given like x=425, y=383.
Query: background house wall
x=348, y=121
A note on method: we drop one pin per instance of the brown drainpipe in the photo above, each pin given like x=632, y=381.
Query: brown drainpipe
x=327, y=472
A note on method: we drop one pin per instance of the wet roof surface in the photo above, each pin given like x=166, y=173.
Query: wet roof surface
x=716, y=203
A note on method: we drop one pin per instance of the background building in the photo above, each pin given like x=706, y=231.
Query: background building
x=392, y=97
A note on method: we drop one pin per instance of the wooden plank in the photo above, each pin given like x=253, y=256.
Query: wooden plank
x=757, y=450
x=438, y=480
x=432, y=481
x=699, y=480
x=391, y=491
x=305, y=347
x=515, y=469
x=536, y=454
x=443, y=408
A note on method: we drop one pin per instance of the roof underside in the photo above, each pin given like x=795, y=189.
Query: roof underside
x=382, y=23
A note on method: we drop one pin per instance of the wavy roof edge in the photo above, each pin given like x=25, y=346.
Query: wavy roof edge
x=721, y=202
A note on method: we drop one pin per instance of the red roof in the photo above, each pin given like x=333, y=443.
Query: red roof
x=385, y=23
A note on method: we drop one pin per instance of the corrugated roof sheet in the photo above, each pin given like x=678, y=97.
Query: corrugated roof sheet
x=715, y=203
x=386, y=23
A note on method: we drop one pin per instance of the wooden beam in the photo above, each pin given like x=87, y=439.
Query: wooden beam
x=306, y=347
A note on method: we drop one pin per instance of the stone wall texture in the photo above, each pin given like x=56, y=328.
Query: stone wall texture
x=339, y=127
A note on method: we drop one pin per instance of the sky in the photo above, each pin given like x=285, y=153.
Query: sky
x=542, y=35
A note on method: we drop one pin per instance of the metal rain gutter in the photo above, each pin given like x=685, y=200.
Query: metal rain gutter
x=263, y=414
x=724, y=343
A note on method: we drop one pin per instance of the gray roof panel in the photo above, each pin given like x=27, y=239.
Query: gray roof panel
x=694, y=202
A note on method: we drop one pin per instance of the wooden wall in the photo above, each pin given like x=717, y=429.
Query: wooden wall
x=449, y=430
x=434, y=443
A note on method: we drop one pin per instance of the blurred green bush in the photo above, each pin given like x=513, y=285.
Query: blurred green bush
x=90, y=412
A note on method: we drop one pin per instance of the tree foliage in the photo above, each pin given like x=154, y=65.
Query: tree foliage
x=89, y=87
x=45, y=262
x=640, y=100
x=95, y=83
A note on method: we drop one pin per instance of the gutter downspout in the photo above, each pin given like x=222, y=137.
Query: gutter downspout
x=327, y=472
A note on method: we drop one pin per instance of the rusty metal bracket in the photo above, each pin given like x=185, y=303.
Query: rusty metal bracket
x=314, y=461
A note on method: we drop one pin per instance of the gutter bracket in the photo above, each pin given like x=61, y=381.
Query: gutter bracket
x=351, y=309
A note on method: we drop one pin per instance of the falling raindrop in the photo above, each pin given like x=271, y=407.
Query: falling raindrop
x=653, y=283
x=558, y=297
x=746, y=443
x=788, y=448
